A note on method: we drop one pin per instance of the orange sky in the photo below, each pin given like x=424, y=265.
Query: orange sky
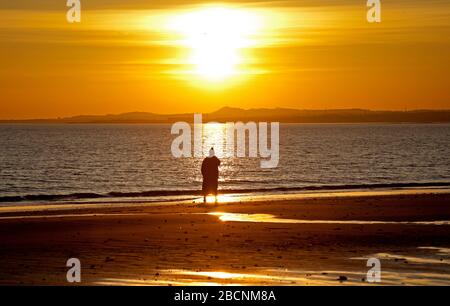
x=125, y=56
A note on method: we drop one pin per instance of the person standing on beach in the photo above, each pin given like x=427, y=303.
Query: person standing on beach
x=210, y=173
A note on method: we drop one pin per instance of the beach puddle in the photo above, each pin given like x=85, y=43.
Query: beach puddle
x=423, y=266
x=251, y=218
x=268, y=218
x=433, y=260
x=439, y=250
x=424, y=255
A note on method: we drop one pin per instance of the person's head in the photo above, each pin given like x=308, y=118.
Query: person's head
x=211, y=152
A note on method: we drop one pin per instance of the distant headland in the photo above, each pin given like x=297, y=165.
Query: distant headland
x=283, y=115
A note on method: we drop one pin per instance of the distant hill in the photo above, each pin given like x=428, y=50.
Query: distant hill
x=284, y=115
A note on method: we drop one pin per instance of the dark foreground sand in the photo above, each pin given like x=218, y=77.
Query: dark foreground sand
x=182, y=244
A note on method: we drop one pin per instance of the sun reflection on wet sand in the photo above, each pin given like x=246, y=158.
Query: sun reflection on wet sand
x=216, y=274
x=427, y=266
x=268, y=218
x=180, y=277
x=251, y=218
x=221, y=199
x=274, y=276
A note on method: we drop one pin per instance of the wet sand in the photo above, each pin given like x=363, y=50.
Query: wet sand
x=304, y=241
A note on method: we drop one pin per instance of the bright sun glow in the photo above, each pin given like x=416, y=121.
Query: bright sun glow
x=216, y=37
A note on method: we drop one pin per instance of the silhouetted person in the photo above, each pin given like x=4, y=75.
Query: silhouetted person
x=210, y=172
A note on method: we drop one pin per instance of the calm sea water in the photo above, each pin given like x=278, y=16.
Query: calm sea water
x=68, y=162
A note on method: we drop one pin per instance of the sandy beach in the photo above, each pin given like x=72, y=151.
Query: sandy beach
x=303, y=241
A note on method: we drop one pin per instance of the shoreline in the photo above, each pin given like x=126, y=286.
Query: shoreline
x=177, y=195
x=223, y=199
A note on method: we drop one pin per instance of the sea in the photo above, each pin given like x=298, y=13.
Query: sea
x=84, y=163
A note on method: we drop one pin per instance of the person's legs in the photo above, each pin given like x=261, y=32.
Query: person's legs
x=204, y=198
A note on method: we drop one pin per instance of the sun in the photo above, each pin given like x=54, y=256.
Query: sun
x=215, y=38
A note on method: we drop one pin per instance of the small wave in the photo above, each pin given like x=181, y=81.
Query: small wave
x=190, y=192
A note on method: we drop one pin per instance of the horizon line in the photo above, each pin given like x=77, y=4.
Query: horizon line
x=226, y=107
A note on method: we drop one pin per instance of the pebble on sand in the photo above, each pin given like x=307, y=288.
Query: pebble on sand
x=342, y=278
